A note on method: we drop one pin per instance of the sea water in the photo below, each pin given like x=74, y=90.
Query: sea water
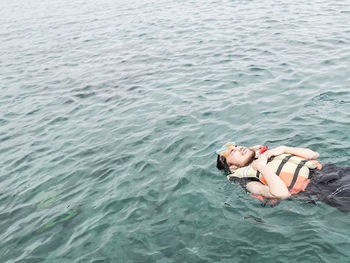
x=111, y=112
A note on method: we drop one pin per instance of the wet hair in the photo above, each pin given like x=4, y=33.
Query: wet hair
x=221, y=164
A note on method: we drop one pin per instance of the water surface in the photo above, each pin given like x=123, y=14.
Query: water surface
x=111, y=112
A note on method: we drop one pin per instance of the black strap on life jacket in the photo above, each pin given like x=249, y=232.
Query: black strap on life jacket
x=284, y=161
x=295, y=176
x=279, y=169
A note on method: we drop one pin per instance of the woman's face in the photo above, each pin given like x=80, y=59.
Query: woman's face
x=238, y=156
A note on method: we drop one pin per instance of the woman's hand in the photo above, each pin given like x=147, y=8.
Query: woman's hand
x=276, y=151
x=260, y=162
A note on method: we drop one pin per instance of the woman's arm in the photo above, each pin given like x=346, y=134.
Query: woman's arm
x=276, y=187
x=258, y=188
x=302, y=152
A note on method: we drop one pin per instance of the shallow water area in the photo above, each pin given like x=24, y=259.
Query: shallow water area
x=111, y=112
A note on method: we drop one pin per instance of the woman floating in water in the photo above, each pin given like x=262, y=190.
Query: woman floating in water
x=284, y=171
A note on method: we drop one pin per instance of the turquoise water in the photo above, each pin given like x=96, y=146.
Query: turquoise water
x=111, y=112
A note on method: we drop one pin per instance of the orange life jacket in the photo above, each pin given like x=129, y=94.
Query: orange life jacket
x=293, y=171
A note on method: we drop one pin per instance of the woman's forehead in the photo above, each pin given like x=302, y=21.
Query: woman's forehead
x=227, y=152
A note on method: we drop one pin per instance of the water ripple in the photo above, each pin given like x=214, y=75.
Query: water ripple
x=111, y=114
